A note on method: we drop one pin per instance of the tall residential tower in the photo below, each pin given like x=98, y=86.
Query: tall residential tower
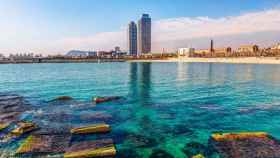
x=132, y=38
x=144, y=34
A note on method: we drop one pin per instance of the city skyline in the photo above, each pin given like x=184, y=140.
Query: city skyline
x=50, y=27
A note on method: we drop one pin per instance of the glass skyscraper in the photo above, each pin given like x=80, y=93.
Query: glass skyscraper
x=144, y=34
x=132, y=38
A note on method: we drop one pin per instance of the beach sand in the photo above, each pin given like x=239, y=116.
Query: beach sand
x=240, y=60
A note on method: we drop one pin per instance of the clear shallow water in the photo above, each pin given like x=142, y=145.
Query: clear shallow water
x=166, y=105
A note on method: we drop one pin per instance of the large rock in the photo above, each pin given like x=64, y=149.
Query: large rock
x=97, y=128
x=3, y=126
x=246, y=145
x=24, y=127
x=63, y=98
x=53, y=144
x=98, y=148
x=194, y=148
x=160, y=154
x=98, y=100
x=141, y=141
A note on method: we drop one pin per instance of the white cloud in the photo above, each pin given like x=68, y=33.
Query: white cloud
x=184, y=31
x=182, y=28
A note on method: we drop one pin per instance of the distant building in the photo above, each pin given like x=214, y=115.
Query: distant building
x=104, y=54
x=132, y=38
x=118, y=53
x=144, y=34
x=117, y=49
x=202, y=53
x=276, y=47
x=248, y=48
x=22, y=56
x=81, y=54
x=212, y=46
x=222, y=52
x=92, y=54
x=2, y=57
x=186, y=51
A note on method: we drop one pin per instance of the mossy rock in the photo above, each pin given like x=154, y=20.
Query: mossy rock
x=194, y=148
x=63, y=98
x=159, y=153
x=141, y=141
x=127, y=153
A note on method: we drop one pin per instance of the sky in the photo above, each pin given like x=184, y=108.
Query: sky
x=57, y=26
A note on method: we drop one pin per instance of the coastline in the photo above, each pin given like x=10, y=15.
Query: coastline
x=233, y=60
x=240, y=60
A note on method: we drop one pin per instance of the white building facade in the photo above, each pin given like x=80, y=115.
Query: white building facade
x=186, y=51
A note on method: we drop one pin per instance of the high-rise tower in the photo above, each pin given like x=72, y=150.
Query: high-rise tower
x=132, y=38
x=144, y=34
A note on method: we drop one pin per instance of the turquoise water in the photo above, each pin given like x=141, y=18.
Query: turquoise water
x=167, y=107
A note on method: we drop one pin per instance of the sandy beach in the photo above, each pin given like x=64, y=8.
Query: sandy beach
x=240, y=60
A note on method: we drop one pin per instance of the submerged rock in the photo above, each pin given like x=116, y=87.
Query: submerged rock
x=63, y=98
x=128, y=153
x=182, y=129
x=3, y=126
x=98, y=148
x=141, y=141
x=160, y=154
x=246, y=144
x=98, y=100
x=198, y=156
x=13, y=103
x=9, y=117
x=194, y=148
x=51, y=144
x=24, y=127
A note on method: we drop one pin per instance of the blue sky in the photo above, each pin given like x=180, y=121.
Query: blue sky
x=30, y=25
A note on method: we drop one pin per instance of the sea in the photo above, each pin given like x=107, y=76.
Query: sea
x=166, y=110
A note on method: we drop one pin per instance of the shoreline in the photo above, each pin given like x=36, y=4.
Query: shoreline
x=240, y=60
x=233, y=60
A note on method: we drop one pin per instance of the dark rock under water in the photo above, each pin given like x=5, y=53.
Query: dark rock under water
x=158, y=153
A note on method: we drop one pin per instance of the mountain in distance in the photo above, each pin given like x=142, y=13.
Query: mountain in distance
x=76, y=53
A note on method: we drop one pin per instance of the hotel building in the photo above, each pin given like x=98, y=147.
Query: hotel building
x=132, y=38
x=144, y=34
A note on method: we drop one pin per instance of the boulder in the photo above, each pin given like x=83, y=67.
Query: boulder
x=53, y=144
x=98, y=148
x=141, y=141
x=235, y=136
x=63, y=98
x=97, y=128
x=160, y=154
x=98, y=100
x=198, y=156
x=3, y=126
x=245, y=144
x=194, y=148
x=24, y=127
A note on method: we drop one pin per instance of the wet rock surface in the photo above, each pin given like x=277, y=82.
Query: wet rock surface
x=255, y=147
x=45, y=144
x=11, y=107
x=53, y=121
x=63, y=98
x=141, y=140
x=160, y=154
x=78, y=146
x=195, y=148
x=127, y=153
